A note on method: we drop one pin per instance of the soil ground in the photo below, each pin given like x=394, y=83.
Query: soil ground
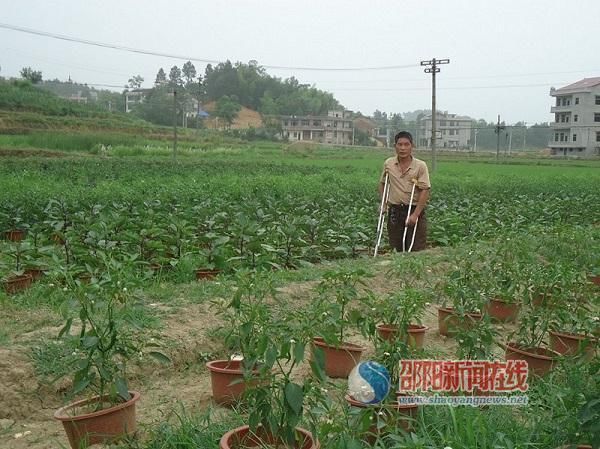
x=28, y=404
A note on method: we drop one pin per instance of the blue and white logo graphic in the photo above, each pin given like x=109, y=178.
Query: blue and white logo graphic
x=369, y=382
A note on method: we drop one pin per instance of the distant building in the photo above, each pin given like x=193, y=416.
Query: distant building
x=576, y=126
x=135, y=96
x=80, y=98
x=334, y=128
x=453, y=131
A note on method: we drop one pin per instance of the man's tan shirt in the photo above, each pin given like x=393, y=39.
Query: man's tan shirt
x=401, y=183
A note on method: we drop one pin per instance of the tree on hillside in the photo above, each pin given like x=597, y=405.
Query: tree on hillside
x=227, y=108
x=35, y=76
x=221, y=80
x=157, y=107
x=189, y=72
x=135, y=82
x=161, y=78
x=396, y=122
x=175, y=79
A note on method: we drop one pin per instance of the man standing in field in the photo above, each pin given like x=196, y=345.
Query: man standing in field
x=403, y=172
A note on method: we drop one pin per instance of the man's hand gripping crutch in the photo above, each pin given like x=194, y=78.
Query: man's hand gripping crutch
x=412, y=241
x=382, y=210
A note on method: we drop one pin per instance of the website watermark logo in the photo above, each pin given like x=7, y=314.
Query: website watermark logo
x=480, y=382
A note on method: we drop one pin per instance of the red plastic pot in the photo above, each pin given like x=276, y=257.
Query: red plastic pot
x=206, y=273
x=339, y=360
x=449, y=321
x=502, y=311
x=540, y=360
x=594, y=279
x=14, y=235
x=572, y=344
x=242, y=437
x=35, y=273
x=416, y=334
x=227, y=380
x=102, y=426
x=16, y=284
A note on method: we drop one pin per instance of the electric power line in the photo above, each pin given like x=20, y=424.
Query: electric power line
x=190, y=58
x=498, y=86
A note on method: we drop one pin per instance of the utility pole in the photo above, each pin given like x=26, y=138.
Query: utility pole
x=433, y=70
x=524, y=135
x=475, y=146
x=199, y=96
x=509, y=140
x=174, y=124
x=497, y=130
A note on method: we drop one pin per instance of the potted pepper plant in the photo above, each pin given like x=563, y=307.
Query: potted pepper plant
x=277, y=399
x=398, y=316
x=462, y=289
x=475, y=342
x=212, y=252
x=17, y=279
x=503, y=291
x=575, y=323
x=13, y=224
x=105, y=341
x=334, y=310
x=528, y=342
x=246, y=318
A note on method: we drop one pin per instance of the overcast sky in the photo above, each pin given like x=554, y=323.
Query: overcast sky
x=504, y=55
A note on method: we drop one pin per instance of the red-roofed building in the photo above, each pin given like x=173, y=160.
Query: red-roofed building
x=576, y=126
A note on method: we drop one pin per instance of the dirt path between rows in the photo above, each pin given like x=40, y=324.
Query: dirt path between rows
x=26, y=415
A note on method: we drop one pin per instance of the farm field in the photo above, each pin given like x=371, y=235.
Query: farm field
x=291, y=231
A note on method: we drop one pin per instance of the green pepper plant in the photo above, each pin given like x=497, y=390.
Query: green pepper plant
x=105, y=336
x=336, y=306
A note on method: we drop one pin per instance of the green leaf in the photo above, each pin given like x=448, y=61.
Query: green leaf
x=298, y=352
x=90, y=341
x=270, y=356
x=159, y=356
x=122, y=388
x=294, y=396
x=354, y=444
x=80, y=385
x=317, y=363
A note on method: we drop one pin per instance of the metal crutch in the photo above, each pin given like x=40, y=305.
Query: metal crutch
x=381, y=222
x=412, y=242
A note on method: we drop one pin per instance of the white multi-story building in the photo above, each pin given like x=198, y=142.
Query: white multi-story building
x=453, y=131
x=576, y=126
x=336, y=127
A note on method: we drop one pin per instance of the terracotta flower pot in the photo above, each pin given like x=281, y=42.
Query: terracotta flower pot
x=502, y=311
x=540, y=360
x=227, y=380
x=17, y=284
x=36, y=273
x=416, y=334
x=103, y=426
x=595, y=279
x=339, y=361
x=14, y=235
x=242, y=437
x=85, y=278
x=449, y=322
x=206, y=273
x=572, y=344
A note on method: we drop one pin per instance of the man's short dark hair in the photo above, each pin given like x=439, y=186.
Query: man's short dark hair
x=404, y=134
